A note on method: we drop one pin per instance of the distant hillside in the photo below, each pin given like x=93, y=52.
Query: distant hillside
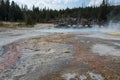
x=12, y=12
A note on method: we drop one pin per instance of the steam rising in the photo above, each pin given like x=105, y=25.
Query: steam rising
x=110, y=27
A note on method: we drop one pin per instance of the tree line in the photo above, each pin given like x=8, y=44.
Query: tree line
x=13, y=12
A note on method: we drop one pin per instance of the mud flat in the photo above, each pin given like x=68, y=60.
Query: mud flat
x=70, y=55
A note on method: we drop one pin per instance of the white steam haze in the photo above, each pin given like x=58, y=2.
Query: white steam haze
x=96, y=29
x=110, y=27
x=114, y=26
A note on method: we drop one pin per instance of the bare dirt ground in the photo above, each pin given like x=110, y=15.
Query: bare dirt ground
x=27, y=54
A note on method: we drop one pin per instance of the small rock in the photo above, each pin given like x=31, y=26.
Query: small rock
x=67, y=52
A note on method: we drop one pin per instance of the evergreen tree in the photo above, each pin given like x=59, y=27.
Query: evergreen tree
x=103, y=11
x=2, y=10
x=12, y=12
x=7, y=10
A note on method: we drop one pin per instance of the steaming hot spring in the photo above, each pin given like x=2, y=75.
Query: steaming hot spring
x=60, y=53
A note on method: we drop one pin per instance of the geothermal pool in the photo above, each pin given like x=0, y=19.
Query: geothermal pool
x=60, y=54
x=78, y=30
